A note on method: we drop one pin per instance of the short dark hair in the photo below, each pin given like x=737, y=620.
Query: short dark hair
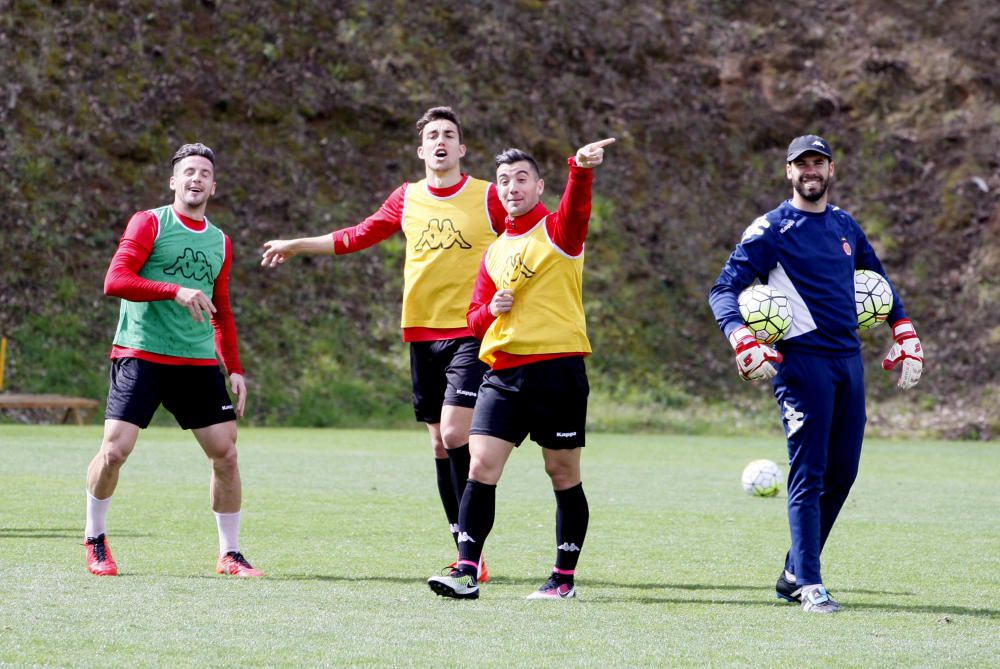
x=510, y=156
x=439, y=114
x=196, y=149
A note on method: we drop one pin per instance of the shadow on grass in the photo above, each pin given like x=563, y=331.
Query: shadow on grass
x=942, y=610
x=717, y=586
x=56, y=533
x=646, y=599
x=506, y=580
x=939, y=610
x=993, y=614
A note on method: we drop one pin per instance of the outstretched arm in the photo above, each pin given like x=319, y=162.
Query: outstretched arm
x=374, y=229
x=591, y=155
x=277, y=251
x=568, y=228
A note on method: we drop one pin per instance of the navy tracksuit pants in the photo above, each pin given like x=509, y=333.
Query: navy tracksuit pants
x=822, y=404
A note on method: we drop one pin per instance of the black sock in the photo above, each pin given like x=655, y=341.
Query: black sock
x=459, y=459
x=572, y=517
x=475, y=518
x=447, y=492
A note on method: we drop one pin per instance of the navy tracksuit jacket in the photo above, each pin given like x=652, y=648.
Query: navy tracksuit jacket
x=811, y=258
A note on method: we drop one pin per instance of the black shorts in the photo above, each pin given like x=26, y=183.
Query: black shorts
x=547, y=400
x=444, y=372
x=196, y=396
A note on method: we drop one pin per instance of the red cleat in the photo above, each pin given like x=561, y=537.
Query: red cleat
x=234, y=564
x=99, y=560
x=482, y=573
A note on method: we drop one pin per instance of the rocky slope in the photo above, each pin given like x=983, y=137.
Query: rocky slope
x=310, y=106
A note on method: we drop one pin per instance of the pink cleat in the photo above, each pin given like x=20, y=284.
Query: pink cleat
x=552, y=589
x=234, y=564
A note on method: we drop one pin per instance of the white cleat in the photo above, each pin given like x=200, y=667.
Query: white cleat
x=456, y=585
x=818, y=600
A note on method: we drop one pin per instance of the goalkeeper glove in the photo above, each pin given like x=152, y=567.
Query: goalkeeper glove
x=753, y=359
x=906, y=350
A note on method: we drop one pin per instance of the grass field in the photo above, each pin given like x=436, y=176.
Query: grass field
x=678, y=569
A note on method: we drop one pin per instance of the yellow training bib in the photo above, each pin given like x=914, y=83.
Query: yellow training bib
x=547, y=316
x=445, y=241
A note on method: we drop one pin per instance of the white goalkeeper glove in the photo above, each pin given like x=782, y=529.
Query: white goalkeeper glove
x=753, y=359
x=906, y=350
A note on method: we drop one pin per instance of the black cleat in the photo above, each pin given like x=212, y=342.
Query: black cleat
x=787, y=590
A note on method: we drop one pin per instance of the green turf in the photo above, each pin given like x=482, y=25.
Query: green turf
x=678, y=569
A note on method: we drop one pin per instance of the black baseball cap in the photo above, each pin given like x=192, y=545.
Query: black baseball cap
x=807, y=143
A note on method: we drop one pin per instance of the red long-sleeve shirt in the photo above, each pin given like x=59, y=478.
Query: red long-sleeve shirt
x=123, y=281
x=389, y=219
x=567, y=228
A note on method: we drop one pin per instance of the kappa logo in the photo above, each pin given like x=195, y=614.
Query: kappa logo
x=818, y=143
x=568, y=547
x=516, y=269
x=785, y=224
x=756, y=228
x=441, y=234
x=192, y=265
x=226, y=407
x=793, y=418
x=566, y=435
x=464, y=536
x=467, y=393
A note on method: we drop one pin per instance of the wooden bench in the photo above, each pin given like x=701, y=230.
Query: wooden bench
x=76, y=408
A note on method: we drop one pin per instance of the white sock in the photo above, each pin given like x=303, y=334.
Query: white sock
x=97, y=516
x=229, y=531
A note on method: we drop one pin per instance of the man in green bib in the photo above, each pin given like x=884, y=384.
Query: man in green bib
x=171, y=271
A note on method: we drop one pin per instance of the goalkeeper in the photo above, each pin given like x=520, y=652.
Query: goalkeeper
x=809, y=250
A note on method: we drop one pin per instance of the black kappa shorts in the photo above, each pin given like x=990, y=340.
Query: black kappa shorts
x=445, y=372
x=196, y=396
x=546, y=400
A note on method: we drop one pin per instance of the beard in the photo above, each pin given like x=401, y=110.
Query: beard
x=812, y=196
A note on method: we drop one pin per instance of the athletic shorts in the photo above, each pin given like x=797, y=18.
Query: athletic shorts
x=546, y=400
x=196, y=396
x=444, y=372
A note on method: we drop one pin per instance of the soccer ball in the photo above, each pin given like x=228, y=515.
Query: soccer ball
x=762, y=478
x=766, y=312
x=873, y=298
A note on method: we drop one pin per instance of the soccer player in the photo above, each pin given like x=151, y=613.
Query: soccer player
x=448, y=219
x=527, y=307
x=809, y=250
x=171, y=271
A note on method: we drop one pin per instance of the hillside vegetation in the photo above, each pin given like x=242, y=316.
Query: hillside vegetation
x=310, y=106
